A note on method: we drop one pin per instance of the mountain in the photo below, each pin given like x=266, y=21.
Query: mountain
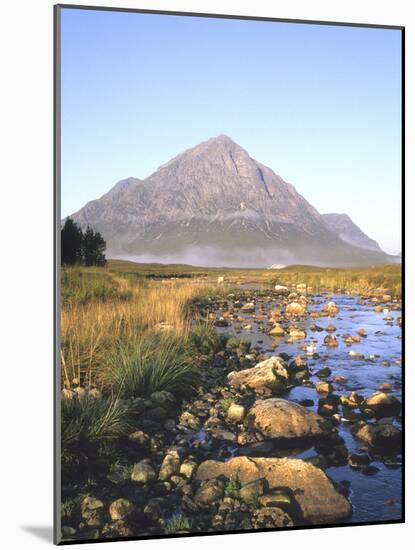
x=215, y=205
x=348, y=231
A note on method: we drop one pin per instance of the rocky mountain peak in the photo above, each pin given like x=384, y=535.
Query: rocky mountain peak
x=213, y=204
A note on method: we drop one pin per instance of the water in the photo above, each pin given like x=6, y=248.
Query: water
x=369, y=493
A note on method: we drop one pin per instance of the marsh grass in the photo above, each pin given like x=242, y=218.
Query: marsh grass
x=94, y=420
x=93, y=330
x=155, y=362
x=204, y=338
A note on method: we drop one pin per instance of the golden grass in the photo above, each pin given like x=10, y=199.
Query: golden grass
x=90, y=331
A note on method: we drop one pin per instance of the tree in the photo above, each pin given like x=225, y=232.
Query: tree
x=71, y=243
x=93, y=248
x=80, y=248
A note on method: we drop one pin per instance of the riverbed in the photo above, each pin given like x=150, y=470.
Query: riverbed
x=375, y=492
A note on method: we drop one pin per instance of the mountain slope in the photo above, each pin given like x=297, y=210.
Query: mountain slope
x=348, y=231
x=215, y=205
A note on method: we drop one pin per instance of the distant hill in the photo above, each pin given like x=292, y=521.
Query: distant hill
x=213, y=205
x=348, y=231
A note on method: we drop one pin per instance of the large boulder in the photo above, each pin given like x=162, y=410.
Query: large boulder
x=382, y=404
x=269, y=374
x=316, y=497
x=284, y=420
x=383, y=437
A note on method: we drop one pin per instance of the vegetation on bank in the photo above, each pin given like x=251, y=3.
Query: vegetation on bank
x=130, y=334
x=357, y=280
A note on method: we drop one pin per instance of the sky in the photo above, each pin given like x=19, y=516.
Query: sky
x=320, y=105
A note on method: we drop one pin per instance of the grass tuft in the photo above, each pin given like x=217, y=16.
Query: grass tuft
x=177, y=523
x=156, y=362
x=205, y=339
x=94, y=420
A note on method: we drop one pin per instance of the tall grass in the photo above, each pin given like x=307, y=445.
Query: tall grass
x=83, y=285
x=153, y=363
x=94, y=330
x=93, y=420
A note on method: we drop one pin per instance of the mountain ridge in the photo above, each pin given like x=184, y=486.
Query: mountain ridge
x=215, y=203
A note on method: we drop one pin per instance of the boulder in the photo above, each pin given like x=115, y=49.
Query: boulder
x=382, y=404
x=295, y=308
x=271, y=373
x=143, y=472
x=121, y=509
x=92, y=511
x=314, y=493
x=169, y=466
x=271, y=518
x=209, y=492
x=285, y=420
x=385, y=437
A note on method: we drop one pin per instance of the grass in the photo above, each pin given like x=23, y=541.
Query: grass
x=234, y=342
x=177, y=523
x=232, y=489
x=204, y=338
x=370, y=279
x=92, y=330
x=384, y=279
x=94, y=420
x=81, y=286
x=155, y=362
x=226, y=403
x=70, y=507
x=105, y=310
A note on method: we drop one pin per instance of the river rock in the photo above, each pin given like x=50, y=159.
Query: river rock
x=169, y=466
x=271, y=374
x=295, y=308
x=249, y=307
x=250, y=492
x=324, y=387
x=382, y=404
x=281, y=290
x=143, y=472
x=382, y=437
x=236, y=412
x=277, y=330
x=313, y=491
x=331, y=341
x=121, y=509
x=271, y=518
x=188, y=468
x=209, y=492
x=331, y=308
x=163, y=399
x=281, y=419
x=92, y=511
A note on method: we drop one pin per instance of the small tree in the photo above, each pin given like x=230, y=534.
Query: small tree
x=94, y=248
x=71, y=243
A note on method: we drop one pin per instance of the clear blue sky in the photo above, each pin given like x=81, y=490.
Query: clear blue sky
x=320, y=105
